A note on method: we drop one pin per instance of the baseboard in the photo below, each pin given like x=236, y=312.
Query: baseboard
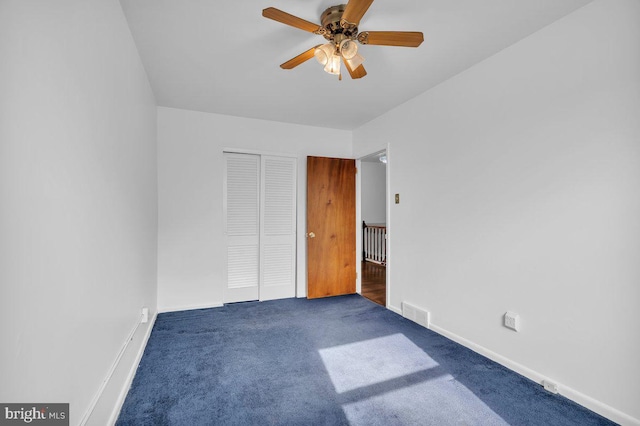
x=394, y=309
x=132, y=373
x=102, y=406
x=165, y=309
x=572, y=394
x=598, y=407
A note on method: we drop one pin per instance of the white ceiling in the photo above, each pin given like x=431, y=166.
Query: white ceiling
x=223, y=56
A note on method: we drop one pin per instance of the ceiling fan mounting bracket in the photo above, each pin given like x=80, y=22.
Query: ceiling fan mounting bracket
x=333, y=23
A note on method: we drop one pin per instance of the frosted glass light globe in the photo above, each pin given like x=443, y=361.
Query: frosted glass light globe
x=355, y=62
x=348, y=49
x=333, y=65
x=323, y=53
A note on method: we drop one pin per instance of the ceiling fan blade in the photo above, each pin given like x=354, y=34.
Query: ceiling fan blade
x=303, y=57
x=391, y=38
x=355, y=73
x=354, y=11
x=294, y=21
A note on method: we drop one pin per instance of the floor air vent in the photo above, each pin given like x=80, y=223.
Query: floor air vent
x=415, y=314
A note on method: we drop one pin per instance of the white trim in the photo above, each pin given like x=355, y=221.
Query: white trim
x=112, y=369
x=166, y=309
x=359, y=258
x=389, y=251
x=572, y=394
x=258, y=152
x=394, y=309
x=132, y=373
x=598, y=407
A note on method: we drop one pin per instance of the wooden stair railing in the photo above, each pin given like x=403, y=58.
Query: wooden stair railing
x=374, y=243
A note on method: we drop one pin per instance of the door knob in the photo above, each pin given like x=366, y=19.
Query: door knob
x=312, y=235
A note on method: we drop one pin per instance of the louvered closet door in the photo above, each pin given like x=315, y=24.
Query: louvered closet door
x=278, y=228
x=242, y=226
x=260, y=227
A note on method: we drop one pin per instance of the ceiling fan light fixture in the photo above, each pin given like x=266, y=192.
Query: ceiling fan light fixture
x=324, y=53
x=348, y=48
x=333, y=64
x=340, y=28
x=355, y=62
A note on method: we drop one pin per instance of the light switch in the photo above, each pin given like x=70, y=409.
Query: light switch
x=397, y=198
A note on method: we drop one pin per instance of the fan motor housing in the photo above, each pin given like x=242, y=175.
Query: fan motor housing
x=330, y=20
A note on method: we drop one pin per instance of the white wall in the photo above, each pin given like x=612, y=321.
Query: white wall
x=373, y=196
x=190, y=172
x=524, y=173
x=78, y=201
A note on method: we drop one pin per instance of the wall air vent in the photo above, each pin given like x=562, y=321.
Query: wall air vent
x=416, y=314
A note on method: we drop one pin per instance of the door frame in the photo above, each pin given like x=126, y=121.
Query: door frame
x=359, y=221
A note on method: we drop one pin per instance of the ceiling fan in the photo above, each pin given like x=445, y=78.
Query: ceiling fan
x=340, y=28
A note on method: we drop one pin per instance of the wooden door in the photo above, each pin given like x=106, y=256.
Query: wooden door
x=331, y=227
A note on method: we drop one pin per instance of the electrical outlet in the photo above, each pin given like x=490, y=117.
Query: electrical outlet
x=550, y=386
x=144, y=317
x=512, y=320
x=397, y=198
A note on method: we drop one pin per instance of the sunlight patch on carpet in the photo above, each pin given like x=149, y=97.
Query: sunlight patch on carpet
x=361, y=364
x=424, y=403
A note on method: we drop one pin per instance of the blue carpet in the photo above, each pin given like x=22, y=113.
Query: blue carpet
x=334, y=361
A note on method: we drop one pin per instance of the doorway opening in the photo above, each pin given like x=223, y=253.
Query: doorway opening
x=373, y=210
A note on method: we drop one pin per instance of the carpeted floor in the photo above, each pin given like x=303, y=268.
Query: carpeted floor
x=342, y=360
